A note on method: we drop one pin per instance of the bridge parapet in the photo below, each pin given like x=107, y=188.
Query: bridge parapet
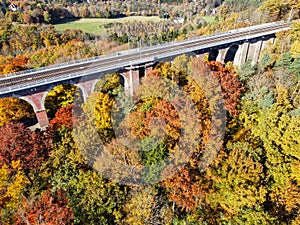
x=132, y=64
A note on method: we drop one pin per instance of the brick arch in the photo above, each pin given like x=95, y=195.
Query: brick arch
x=35, y=100
x=87, y=87
x=28, y=100
x=55, y=85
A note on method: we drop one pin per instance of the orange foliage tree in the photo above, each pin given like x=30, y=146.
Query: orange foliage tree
x=231, y=87
x=19, y=143
x=16, y=64
x=63, y=117
x=49, y=209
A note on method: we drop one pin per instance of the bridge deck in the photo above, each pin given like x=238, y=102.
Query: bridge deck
x=10, y=83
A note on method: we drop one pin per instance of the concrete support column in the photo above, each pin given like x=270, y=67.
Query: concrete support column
x=132, y=77
x=243, y=55
x=222, y=55
x=251, y=51
x=237, y=56
x=258, y=47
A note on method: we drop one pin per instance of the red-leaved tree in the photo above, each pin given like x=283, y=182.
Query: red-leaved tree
x=20, y=143
x=231, y=87
x=63, y=117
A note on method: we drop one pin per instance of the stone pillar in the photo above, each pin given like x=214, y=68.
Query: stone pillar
x=42, y=118
x=251, y=51
x=222, y=55
x=237, y=56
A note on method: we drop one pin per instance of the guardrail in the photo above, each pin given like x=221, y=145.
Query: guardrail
x=127, y=52
x=136, y=51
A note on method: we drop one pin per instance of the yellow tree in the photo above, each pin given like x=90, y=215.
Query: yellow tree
x=140, y=206
x=295, y=48
x=14, y=109
x=279, y=134
x=11, y=190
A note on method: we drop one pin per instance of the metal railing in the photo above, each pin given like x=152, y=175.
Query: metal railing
x=127, y=52
x=132, y=52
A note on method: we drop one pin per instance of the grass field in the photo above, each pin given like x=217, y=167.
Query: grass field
x=209, y=19
x=94, y=26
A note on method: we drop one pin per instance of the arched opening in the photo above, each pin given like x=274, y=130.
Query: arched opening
x=16, y=110
x=109, y=83
x=122, y=80
x=60, y=96
x=141, y=72
x=230, y=55
x=213, y=54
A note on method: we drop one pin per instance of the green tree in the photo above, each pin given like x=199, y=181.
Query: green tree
x=94, y=200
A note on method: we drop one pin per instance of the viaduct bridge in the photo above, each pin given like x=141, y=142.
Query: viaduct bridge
x=237, y=46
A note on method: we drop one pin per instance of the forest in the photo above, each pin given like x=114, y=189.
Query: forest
x=166, y=155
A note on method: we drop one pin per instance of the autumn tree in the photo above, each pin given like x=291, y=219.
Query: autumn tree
x=16, y=64
x=31, y=148
x=94, y=199
x=61, y=96
x=63, y=117
x=14, y=110
x=237, y=180
x=276, y=129
x=295, y=49
x=12, y=186
x=145, y=205
x=278, y=10
x=186, y=189
x=231, y=87
x=49, y=209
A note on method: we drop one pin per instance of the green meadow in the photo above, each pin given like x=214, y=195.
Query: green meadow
x=96, y=25
x=209, y=19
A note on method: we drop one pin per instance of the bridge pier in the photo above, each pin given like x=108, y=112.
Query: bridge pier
x=222, y=54
x=42, y=118
x=241, y=54
x=132, y=76
x=37, y=100
x=256, y=54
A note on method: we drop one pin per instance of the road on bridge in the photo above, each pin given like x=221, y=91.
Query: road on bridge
x=33, y=78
